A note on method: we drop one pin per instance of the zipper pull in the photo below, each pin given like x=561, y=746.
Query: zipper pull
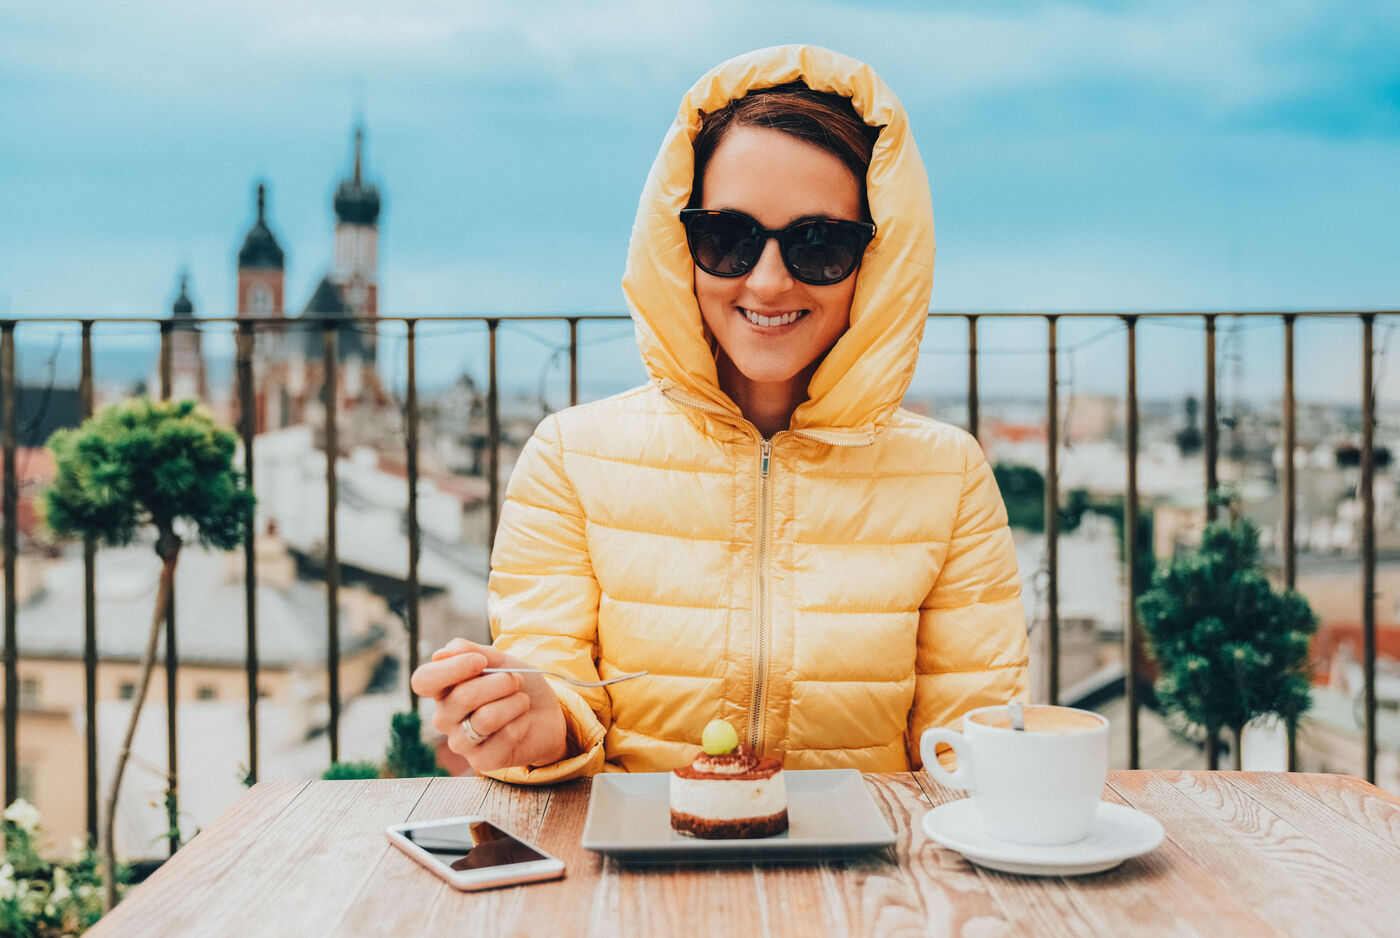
x=766, y=448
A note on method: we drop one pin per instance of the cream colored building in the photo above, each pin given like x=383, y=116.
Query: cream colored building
x=211, y=677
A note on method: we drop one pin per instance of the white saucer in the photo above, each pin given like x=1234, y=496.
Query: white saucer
x=1118, y=833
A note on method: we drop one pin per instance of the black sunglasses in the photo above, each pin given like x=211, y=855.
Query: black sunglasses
x=818, y=251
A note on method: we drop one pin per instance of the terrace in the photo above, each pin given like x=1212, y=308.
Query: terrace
x=292, y=654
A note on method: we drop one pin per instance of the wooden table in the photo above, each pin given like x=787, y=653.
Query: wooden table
x=1246, y=854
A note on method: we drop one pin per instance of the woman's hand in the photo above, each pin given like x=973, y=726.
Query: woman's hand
x=517, y=715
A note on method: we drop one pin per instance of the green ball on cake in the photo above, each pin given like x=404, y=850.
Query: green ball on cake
x=719, y=738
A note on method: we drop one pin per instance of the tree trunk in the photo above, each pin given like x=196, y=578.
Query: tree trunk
x=1212, y=748
x=169, y=557
x=1237, y=748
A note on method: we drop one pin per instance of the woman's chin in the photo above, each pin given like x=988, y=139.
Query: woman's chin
x=760, y=373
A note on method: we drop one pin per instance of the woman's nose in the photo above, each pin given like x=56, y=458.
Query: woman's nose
x=770, y=275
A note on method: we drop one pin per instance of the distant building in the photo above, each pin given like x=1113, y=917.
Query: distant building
x=289, y=365
x=39, y=411
x=211, y=626
x=356, y=271
x=187, y=377
x=372, y=529
x=1189, y=438
x=261, y=267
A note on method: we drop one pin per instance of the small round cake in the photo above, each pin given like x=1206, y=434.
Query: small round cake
x=732, y=793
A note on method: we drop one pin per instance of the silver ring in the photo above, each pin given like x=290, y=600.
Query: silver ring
x=476, y=738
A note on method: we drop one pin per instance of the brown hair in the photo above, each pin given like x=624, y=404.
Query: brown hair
x=827, y=121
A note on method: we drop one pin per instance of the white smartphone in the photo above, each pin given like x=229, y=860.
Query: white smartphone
x=473, y=853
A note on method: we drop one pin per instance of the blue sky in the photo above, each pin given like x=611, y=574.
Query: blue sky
x=1094, y=156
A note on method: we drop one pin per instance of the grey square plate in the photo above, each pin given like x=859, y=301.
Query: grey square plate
x=830, y=813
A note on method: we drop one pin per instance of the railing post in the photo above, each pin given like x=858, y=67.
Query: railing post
x=11, y=512
x=573, y=361
x=166, y=330
x=1368, y=536
x=247, y=426
x=1290, y=442
x=1130, y=546
x=330, y=393
x=493, y=416
x=1290, y=493
x=1052, y=509
x=85, y=399
x=1212, y=456
x=972, y=397
x=1212, y=427
x=414, y=546
x=172, y=658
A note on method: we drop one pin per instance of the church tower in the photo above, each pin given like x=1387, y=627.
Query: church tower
x=356, y=270
x=186, y=354
x=260, y=267
x=260, y=278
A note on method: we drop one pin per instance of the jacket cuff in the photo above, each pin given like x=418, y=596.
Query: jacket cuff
x=584, y=733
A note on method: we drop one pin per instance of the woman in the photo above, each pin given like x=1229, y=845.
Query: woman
x=761, y=528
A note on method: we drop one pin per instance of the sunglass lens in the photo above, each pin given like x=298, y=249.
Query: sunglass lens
x=725, y=245
x=822, y=251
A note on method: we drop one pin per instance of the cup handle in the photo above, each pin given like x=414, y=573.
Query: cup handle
x=961, y=746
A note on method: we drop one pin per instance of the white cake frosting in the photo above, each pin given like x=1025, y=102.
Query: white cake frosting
x=728, y=799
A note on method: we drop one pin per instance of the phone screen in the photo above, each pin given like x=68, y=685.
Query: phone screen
x=471, y=845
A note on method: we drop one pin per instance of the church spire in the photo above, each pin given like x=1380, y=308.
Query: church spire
x=260, y=247
x=356, y=201
x=183, y=306
x=359, y=148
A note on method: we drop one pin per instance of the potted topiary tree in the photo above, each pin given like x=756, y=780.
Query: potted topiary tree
x=1228, y=646
x=137, y=464
x=407, y=756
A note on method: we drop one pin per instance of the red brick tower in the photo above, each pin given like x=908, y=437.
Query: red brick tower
x=261, y=273
x=260, y=267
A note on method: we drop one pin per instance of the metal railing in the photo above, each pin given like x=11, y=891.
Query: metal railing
x=246, y=328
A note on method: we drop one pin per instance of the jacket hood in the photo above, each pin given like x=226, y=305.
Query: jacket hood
x=857, y=387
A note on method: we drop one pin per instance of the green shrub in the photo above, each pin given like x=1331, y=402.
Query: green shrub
x=1229, y=647
x=407, y=756
x=340, y=771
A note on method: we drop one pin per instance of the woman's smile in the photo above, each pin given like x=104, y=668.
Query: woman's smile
x=770, y=320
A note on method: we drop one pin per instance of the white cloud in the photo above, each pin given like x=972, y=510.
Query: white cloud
x=1222, y=53
x=364, y=31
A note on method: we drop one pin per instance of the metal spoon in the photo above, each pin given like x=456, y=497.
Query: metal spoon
x=1017, y=714
x=564, y=677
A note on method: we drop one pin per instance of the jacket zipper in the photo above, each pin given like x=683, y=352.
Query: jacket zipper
x=763, y=612
x=844, y=443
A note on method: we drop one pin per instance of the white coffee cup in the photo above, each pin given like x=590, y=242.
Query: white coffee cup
x=1040, y=785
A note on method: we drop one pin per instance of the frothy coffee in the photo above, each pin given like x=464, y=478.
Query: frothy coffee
x=1042, y=719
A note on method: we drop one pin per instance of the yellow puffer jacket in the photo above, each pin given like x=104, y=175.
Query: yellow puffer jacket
x=832, y=592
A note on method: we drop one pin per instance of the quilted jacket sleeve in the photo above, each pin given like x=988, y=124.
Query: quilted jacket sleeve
x=542, y=599
x=972, y=647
